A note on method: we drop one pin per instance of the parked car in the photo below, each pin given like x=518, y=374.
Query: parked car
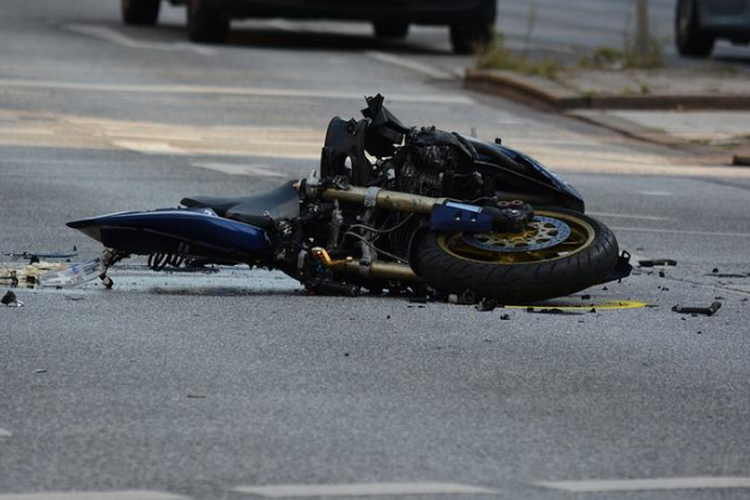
x=699, y=23
x=208, y=21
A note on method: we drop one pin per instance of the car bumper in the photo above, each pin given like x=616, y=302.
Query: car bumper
x=413, y=11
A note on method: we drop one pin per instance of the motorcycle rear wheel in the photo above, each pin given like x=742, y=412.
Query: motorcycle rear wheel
x=451, y=265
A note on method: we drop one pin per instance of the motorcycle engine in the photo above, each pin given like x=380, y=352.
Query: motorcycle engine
x=437, y=163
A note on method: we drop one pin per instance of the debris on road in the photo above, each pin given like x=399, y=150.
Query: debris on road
x=70, y=275
x=10, y=300
x=486, y=305
x=708, y=311
x=717, y=274
x=657, y=262
x=37, y=256
x=16, y=275
x=553, y=310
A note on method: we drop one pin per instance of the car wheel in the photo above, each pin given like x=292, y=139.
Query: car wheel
x=391, y=29
x=140, y=12
x=690, y=40
x=205, y=24
x=467, y=39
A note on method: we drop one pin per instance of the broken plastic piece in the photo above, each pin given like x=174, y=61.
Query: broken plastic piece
x=708, y=311
x=486, y=305
x=657, y=262
x=74, y=275
x=8, y=299
x=553, y=310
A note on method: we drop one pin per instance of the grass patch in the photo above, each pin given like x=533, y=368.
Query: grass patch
x=496, y=56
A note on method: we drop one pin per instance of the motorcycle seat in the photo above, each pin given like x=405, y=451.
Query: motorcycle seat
x=260, y=209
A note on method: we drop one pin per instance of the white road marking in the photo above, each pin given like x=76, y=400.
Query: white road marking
x=410, y=64
x=676, y=483
x=112, y=36
x=365, y=489
x=5, y=434
x=234, y=169
x=626, y=216
x=677, y=231
x=656, y=193
x=94, y=495
x=239, y=91
x=147, y=147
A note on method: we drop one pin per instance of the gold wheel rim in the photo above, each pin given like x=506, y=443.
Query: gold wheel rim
x=582, y=236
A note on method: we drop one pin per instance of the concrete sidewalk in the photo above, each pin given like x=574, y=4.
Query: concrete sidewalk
x=706, y=112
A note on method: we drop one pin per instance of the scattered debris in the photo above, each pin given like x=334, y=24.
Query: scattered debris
x=716, y=274
x=108, y=282
x=715, y=270
x=657, y=262
x=40, y=370
x=553, y=310
x=662, y=274
x=486, y=305
x=43, y=255
x=10, y=300
x=196, y=396
x=505, y=317
x=708, y=311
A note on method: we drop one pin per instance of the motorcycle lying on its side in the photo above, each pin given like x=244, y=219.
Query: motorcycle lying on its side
x=392, y=208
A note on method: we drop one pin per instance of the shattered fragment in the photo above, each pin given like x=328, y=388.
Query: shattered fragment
x=552, y=310
x=708, y=311
x=486, y=305
x=657, y=262
x=10, y=300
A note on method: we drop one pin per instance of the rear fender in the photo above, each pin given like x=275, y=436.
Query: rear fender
x=190, y=232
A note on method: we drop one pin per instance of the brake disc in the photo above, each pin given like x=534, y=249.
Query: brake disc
x=540, y=233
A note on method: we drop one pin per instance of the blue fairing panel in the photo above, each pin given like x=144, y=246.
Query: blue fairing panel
x=553, y=178
x=184, y=231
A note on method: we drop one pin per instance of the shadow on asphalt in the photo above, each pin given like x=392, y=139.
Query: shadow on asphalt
x=304, y=40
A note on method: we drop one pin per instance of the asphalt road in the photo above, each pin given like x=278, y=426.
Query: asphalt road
x=211, y=386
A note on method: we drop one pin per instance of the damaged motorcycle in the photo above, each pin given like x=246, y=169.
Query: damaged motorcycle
x=391, y=208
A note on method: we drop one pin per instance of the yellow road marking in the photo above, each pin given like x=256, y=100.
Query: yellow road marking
x=603, y=306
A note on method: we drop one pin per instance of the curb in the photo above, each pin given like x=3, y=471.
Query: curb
x=540, y=92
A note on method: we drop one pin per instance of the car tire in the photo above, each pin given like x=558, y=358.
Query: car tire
x=394, y=30
x=205, y=24
x=467, y=38
x=140, y=12
x=691, y=42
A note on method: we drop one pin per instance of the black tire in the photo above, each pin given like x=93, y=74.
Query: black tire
x=394, y=30
x=140, y=12
x=470, y=38
x=690, y=40
x=205, y=24
x=522, y=282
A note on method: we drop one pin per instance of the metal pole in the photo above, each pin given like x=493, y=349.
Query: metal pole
x=643, y=38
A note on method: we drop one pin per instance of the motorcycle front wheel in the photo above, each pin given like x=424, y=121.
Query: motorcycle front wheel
x=559, y=253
